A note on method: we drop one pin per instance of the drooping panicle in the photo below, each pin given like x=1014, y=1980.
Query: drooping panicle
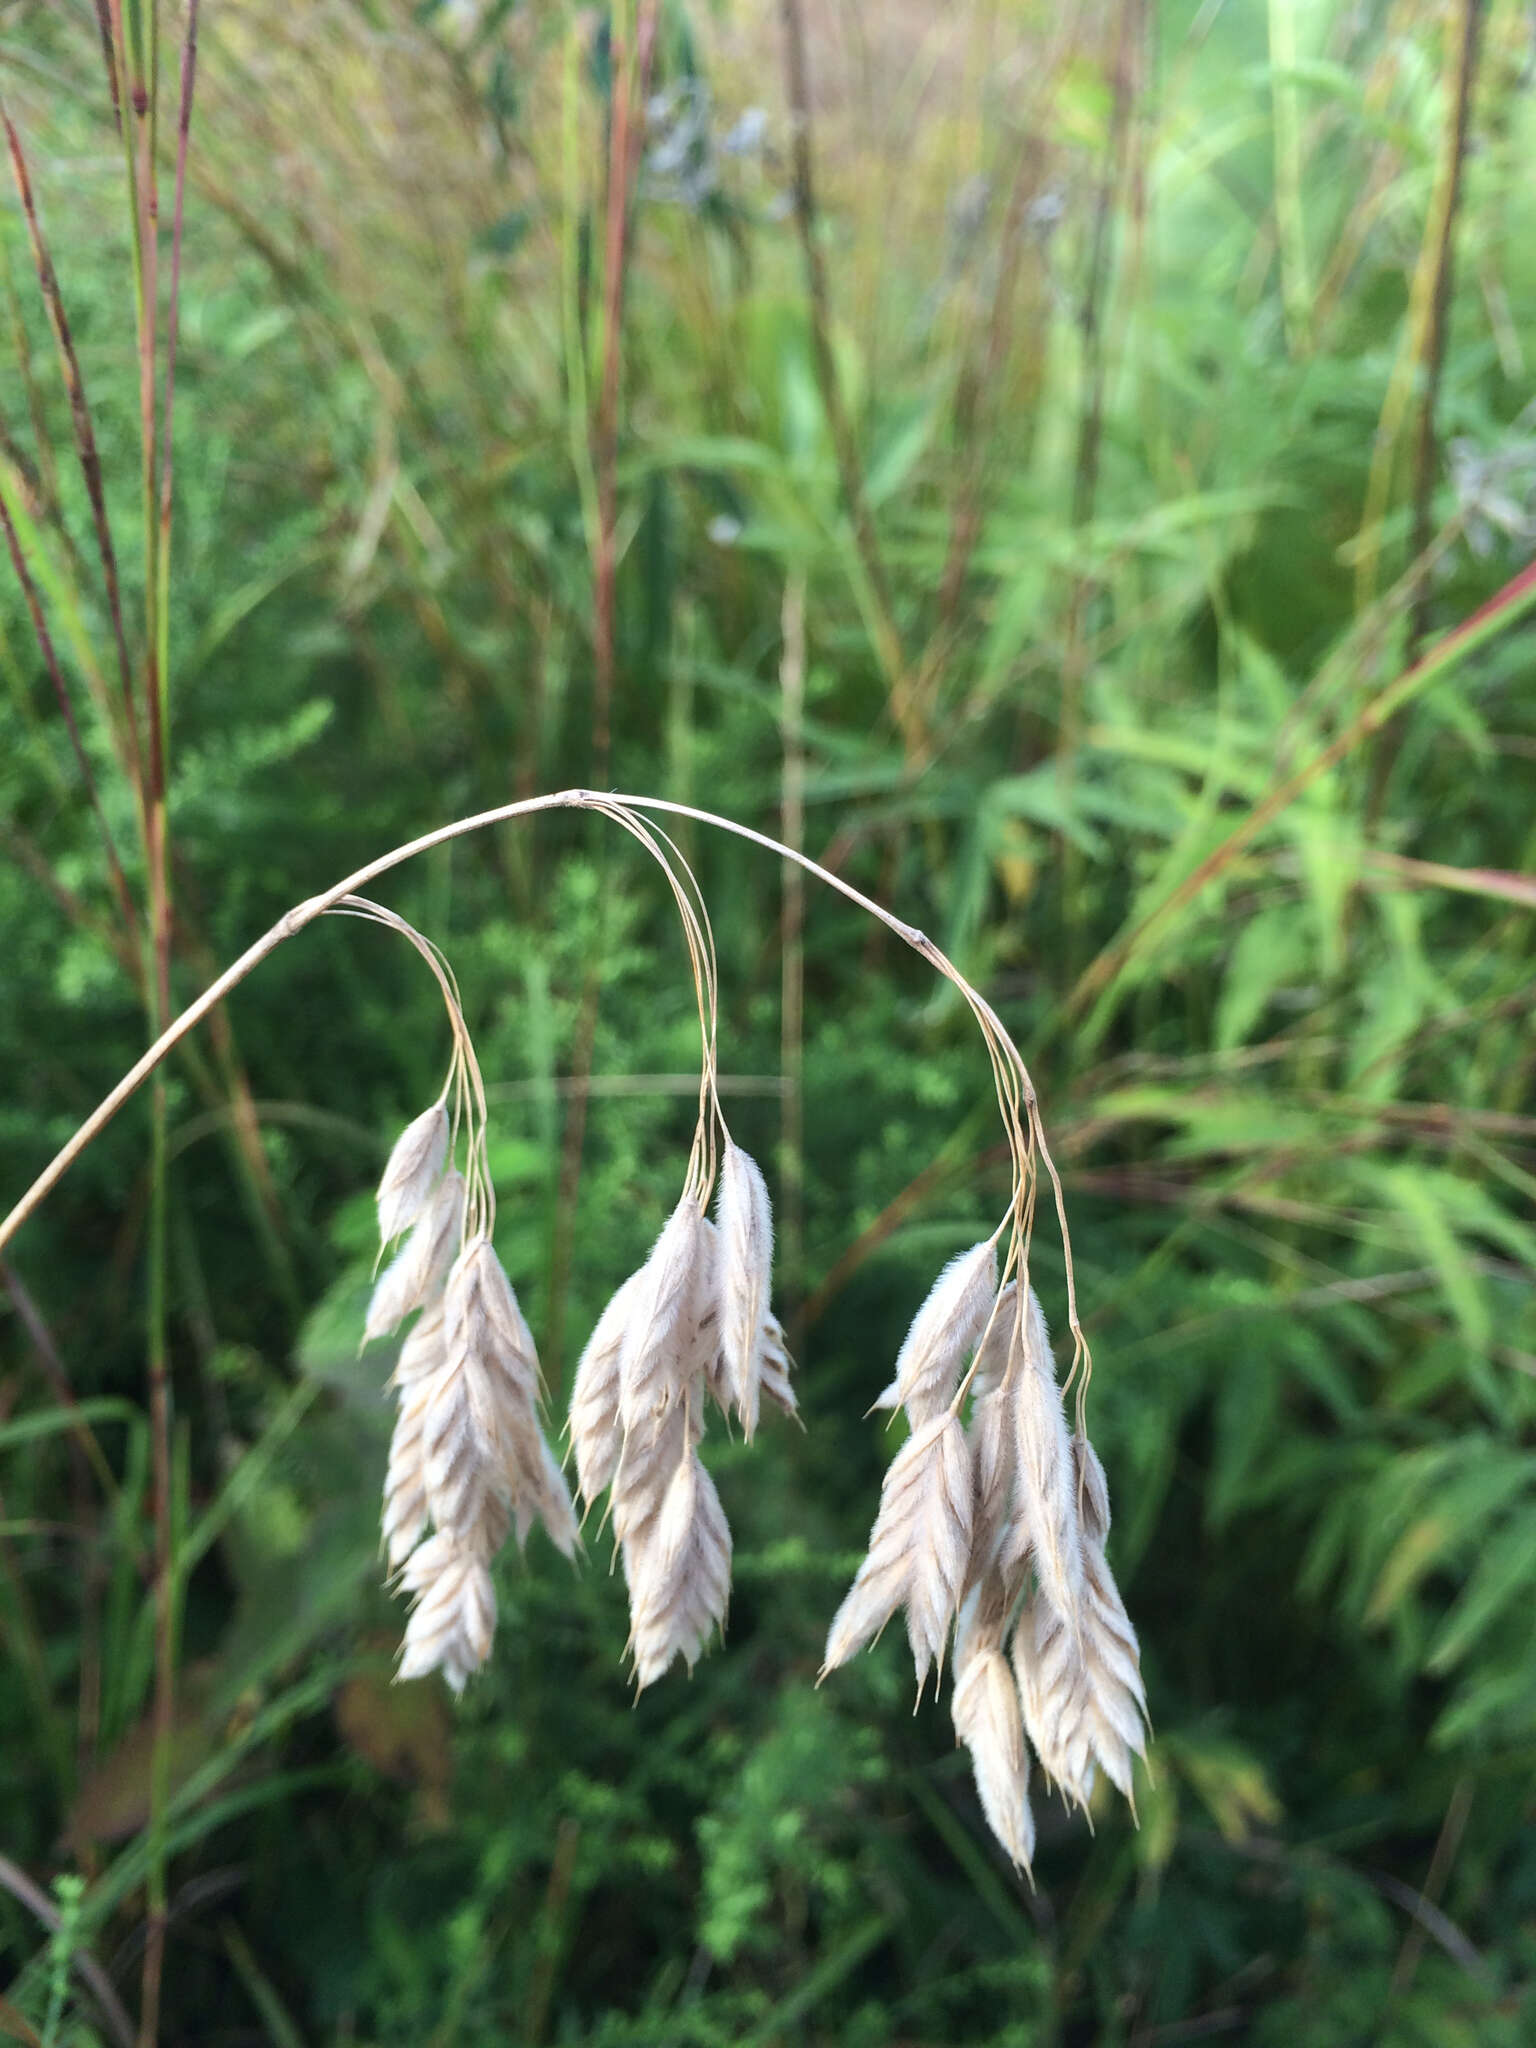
x=412, y=1172
x=744, y=1221
x=637, y=1416
x=469, y=1457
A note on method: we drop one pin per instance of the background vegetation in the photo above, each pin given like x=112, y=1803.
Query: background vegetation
x=1020, y=453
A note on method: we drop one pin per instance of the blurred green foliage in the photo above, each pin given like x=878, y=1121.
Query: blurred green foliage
x=1134, y=388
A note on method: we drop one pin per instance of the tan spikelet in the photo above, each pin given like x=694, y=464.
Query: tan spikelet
x=777, y=1367
x=939, y=1565
x=998, y=1344
x=454, y=1616
x=421, y=1265
x=680, y=1576
x=744, y=1271
x=1118, y=1699
x=405, y=1484
x=1046, y=1475
x=649, y=1460
x=1053, y=1692
x=988, y=1722
x=422, y=1352
x=701, y=1354
x=596, y=1433
x=523, y=1469
x=999, y=1531
x=459, y=1429
x=918, y=1548
x=1082, y=1693
x=412, y=1171
x=651, y=1361
x=944, y=1332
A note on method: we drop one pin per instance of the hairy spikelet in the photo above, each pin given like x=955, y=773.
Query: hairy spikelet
x=543, y=1496
x=496, y=1324
x=743, y=1279
x=596, y=1433
x=405, y=1482
x=943, y=1334
x=701, y=1352
x=1111, y=1654
x=410, y=1176
x=421, y=1265
x=1046, y=1475
x=999, y=1531
x=645, y=1470
x=680, y=1574
x=939, y=1566
x=459, y=1430
x=777, y=1367
x=1053, y=1691
x=454, y=1615
x=422, y=1352
x=525, y=1471
x=988, y=1722
x=1092, y=1491
x=1082, y=1692
x=918, y=1548
x=998, y=1344
x=1112, y=1657
x=652, y=1362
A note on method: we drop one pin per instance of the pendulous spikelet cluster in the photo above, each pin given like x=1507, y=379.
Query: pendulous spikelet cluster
x=995, y=1527
x=468, y=1461
x=691, y=1327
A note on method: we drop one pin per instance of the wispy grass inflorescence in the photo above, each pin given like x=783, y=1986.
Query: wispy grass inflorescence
x=998, y=1528
x=468, y=1459
x=994, y=1514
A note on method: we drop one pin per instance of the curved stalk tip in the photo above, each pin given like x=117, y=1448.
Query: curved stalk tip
x=1017, y=1102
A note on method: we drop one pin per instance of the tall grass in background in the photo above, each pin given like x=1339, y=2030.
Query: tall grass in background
x=1073, y=472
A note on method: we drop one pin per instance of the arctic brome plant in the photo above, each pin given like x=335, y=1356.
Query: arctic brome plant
x=990, y=1534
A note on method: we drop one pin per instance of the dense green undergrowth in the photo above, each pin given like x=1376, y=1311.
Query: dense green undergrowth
x=1131, y=316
